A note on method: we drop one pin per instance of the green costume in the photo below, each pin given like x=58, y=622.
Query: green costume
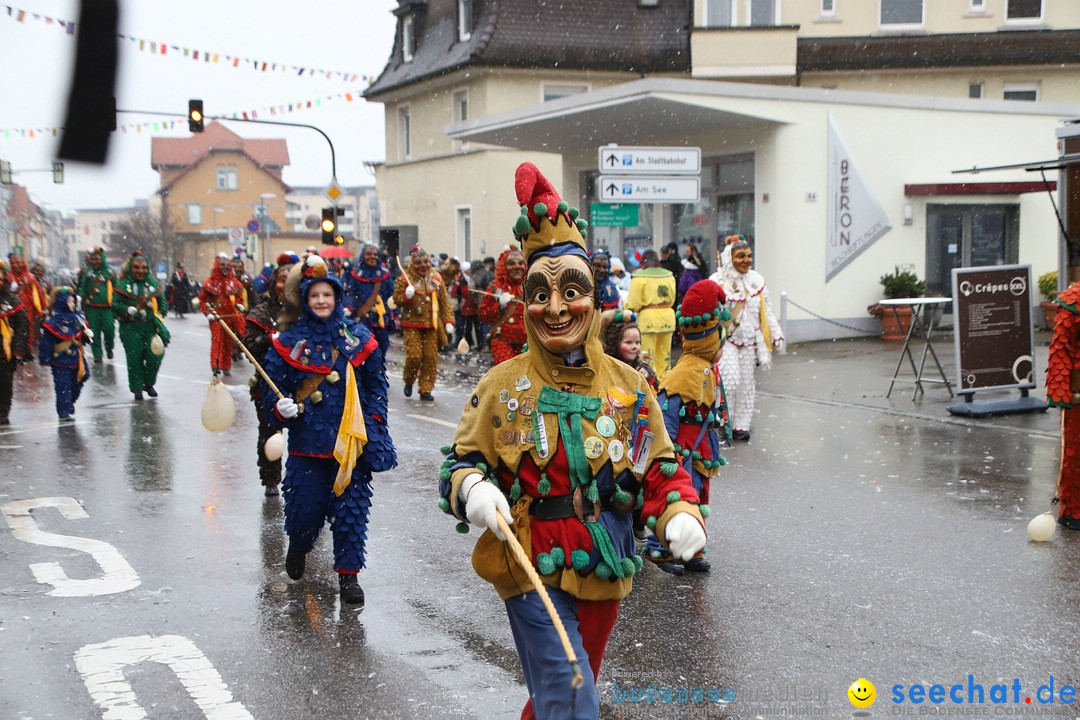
x=139, y=306
x=96, y=290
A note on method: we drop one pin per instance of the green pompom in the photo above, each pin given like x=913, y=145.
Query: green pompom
x=650, y=522
x=445, y=449
x=444, y=474
x=540, y=209
x=667, y=469
x=704, y=510
x=603, y=571
x=678, y=314
x=524, y=210
x=628, y=567
x=592, y=493
x=685, y=453
x=544, y=486
x=638, y=563
x=581, y=225
x=682, y=411
x=674, y=496
x=722, y=461
x=515, y=491
x=462, y=527
x=678, y=447
x=522, y=226
x=579, y=559
x=697, y=417
x=697, y=455
x=716, y=312
x=562, y=207
x=573, y=213
x=444, y=504
x=621, y=496
x=482, y=467
x=640, y=500
x=725, y=315
x=544, y=564
x=558, y=556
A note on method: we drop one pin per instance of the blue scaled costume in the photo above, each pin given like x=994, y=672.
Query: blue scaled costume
x=359, y=286
x=61, y=348
x=310, y=362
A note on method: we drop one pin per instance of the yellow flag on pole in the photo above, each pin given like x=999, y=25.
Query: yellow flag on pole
x=352, y=433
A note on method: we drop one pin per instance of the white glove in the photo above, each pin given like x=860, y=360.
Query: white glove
x=195, y=303
x=504, y=300
x=89, y=334
x=14, y=287
x=449, y=328
x=132, y=310
x=288, y=409
x=482, y=501
x=239, y=308
x=685, y=536
x=409, y=292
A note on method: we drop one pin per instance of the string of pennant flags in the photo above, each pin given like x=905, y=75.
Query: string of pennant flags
x=181, y=123
x=159, y=49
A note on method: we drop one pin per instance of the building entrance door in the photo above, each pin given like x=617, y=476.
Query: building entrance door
x=968, y=236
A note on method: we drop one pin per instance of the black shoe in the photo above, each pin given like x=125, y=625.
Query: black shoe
x=671, y=567
x=97, y=361
x=641, y=534
x=66, y=418
x=138, y=395
x=1070, y=522
x=216, y=372
x=427, y=397
x=743, y=435
x=151, y=391
x=108, y=354
x=4, y=420
x=408, y=390
x=294, y=564
x=698, y=565
x=271, y=491
x=351, y=592
x=227, y=373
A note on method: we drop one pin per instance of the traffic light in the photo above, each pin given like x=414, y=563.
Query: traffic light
x=5, y=172
x=58, y=172
x=194, y=116
x=339, y=240
x=329, y=225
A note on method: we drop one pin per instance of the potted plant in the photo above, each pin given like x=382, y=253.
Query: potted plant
x=1048, y=288
x=896, y=320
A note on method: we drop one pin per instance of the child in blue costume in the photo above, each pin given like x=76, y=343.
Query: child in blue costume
x=331, y=371
x=368, y=287
x=61, y=348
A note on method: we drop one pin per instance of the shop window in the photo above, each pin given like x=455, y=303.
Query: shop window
x=901, y=13
x=226, y=178
x=1024, y=10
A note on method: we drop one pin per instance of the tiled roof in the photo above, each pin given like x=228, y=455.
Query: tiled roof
x=995, y=49
x=575, y=35
x=187, y=152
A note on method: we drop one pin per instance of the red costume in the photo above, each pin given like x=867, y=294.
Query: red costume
x=225, y=295
x=29, y=291
x=1062, y=386
x=507, y=325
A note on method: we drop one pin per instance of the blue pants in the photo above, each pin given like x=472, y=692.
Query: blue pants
x=543, y=661
x=67, y=389
x=310, y=501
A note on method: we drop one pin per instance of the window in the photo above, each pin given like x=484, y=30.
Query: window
x=554, y=92
x=762, y=13
x=465, y=19
x=408, y=38
x=978, y=5
x=975, y=90
x=464, y=232
x=226, y=178
x=405, y=132
x=460, y=113
x=1024, y=10
x=828, y=7
x=719, y=13
x=194, y=214
x=1022, y=92
x=902, y=12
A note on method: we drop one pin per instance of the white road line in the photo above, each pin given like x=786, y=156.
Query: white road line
x=192, y=332
x=10, y=447
x=437, y=421
x=34, y=428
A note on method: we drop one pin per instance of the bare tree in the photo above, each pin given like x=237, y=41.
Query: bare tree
x=147, y=231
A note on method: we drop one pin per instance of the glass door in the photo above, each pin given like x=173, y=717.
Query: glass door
x=968, y=236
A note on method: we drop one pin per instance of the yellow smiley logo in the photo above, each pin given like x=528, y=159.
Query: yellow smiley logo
x=862, y=693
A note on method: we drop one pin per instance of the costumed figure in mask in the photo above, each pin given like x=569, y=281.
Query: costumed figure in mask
x=180, y=291
x=754, y=333
x=503, y=308
x=427, y=321
x=251, y=296
x=14, y=341
x=561, y=442
x=692, y=400
x=63, y=333
x=225, y=295
x=139, y=310
x=260, y=326
x=26, y=286
x=368, y=287
x=96, y=290
x=331, y=372
x=652, y=297
x=1063, y=391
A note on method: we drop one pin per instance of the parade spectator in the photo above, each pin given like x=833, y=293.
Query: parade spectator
x=139, y=308
x=670, y=261
x=468, y=327
x=754, y=333
x=180, y=291
x=652, y=297
x=14, y=341
x=95, y=287
x=331, y=367
x=694, y=269
x=427, y=321
x=503, y=307
x=621, y=278
x=63, y=333
x=482, y=276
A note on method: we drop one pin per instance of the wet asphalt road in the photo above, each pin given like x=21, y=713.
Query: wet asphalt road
x=854, y=536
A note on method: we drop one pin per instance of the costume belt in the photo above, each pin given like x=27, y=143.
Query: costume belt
x=657, y=306
x=562, y=506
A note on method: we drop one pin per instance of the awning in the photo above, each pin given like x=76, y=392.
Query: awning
x=1040, y=165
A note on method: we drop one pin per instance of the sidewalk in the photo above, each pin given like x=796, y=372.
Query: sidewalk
x=857, y=372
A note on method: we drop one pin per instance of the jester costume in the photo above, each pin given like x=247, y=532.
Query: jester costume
x=507, y=323
x=30, y=294
x=14, y=341
x=571, y=439
x=692, y=400
x=96, y=290
x=367, y=289
x=225, y=295
x=1063, y=391
x=652, y=297
x=139, y=309
x=333, y=370
x=424, y=320
x=61, y=348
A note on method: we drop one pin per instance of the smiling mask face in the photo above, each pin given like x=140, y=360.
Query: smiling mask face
x=559, y=301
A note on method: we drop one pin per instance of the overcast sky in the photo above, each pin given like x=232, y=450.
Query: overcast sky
x=342, y=36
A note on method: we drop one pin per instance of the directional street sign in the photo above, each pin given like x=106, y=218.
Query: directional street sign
x=625, y=160
x=616, y=189
x=604, y=215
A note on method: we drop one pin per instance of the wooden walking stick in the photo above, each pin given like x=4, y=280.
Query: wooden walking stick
x=225, y=325
x=485, y=292
x=526, y=565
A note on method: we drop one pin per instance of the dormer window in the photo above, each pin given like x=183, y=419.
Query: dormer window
x=465, y=19
x=408, y=38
